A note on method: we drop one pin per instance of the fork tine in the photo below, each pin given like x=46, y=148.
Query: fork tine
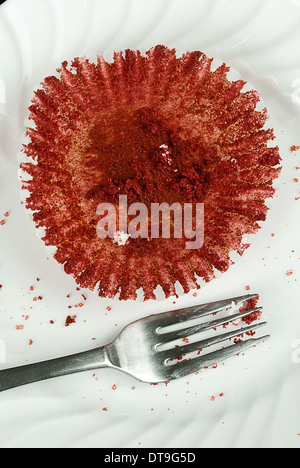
x=193, y=313
x=183, y=333
x=220, y=338
x=187, y=367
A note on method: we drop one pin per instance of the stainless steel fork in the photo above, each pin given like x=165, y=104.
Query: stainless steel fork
x=140, y=349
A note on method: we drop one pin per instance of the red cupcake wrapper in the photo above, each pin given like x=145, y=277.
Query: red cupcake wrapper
x=99, y=130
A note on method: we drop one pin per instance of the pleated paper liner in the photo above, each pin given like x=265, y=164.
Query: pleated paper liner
x=159, y=129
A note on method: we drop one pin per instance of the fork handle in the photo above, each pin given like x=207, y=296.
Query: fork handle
x=88, y=360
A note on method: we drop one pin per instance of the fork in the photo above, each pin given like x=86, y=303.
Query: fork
x=139, y=348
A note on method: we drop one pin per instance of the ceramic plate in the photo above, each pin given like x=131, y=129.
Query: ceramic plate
x=251, y=400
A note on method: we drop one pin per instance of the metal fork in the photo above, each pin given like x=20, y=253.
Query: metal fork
x=139, y=348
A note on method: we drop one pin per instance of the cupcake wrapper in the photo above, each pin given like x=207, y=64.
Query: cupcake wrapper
x=157, y=128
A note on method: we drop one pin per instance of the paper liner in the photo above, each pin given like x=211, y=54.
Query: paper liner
x=101, y=130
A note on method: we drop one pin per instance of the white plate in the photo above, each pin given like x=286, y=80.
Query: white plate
x=260, y=406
